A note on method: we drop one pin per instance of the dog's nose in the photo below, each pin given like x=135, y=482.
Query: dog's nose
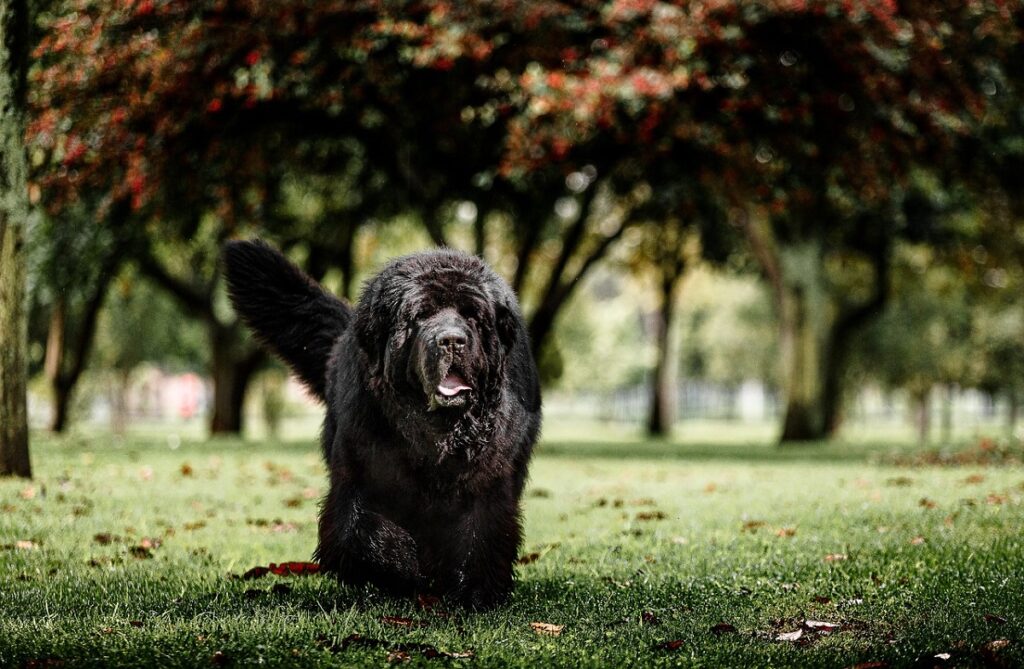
x=451, y=340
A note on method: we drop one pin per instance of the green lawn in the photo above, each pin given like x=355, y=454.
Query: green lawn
x=124, y=552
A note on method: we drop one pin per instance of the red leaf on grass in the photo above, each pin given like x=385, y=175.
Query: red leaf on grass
x=675, y=644
x=283, y=569
x=723, y=628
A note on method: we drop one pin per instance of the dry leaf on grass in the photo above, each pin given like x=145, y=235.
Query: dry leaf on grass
x=547, y=629
x=836, y=557
x=399, y=621
x=790, y=636
x=723, y=628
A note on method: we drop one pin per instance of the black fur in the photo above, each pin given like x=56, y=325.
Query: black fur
x=289, y=312
x=433, y=408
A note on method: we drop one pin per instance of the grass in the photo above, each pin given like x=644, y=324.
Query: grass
x=121, y=553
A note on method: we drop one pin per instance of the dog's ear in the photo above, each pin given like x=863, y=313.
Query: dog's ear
x=373, y=325
x=508, y=322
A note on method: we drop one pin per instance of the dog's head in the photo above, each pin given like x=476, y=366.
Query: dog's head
x=435, y=329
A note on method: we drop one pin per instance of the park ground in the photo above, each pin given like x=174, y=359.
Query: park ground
x=697, y=552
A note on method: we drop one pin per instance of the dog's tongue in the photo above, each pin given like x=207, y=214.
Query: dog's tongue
x=452, y=385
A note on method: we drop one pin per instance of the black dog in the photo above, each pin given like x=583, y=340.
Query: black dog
x=433, y=408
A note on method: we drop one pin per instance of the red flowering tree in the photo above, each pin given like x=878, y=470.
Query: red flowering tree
x=803, y=119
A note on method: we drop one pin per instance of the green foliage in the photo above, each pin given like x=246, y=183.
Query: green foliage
x=727, y=329
x=143, y=325
x=600, y=338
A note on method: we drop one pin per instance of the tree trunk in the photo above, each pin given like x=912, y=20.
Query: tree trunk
x=14, y=456
x=923, y=415
x=1012, y=412
x=804, y=323
x=948, y=398
x=663, y=396
x=67, y=357
x=232, y=371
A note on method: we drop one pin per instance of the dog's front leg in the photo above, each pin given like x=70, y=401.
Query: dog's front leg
x=489, y=537
x=361, y=546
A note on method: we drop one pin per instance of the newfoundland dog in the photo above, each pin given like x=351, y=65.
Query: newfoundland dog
x=433, y=408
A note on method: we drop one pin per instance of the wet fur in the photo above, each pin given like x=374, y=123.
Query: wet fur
x=420, y=500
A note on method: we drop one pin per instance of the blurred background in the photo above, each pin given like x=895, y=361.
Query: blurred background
x=779, y=220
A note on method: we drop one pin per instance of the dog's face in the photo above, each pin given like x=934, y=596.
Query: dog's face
x=435, y=338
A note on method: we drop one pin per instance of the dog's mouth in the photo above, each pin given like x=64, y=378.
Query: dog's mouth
x=452, y=391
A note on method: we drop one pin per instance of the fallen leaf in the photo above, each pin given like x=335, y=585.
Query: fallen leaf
x=723, y=628
x=547, y=629
x=186, y=469
x=680, y=541
x=141, y=552
x=293, y=503
x=917, y=541
x=993, y=618
x=675, y=644
x=283, y=569
x=104, y=538
x=818, y=599
x=942, y=656
x=820, y=626
x=900, y=481
x=427, y=602
x=927, y=503
x=396, y=656
x=752, y=525
x=529, y=558
x=26, y=545
x=28, y=492
x=401, y=622
x=651, y=515
x=790, y=636
x=785, y=532
x=995, y=646
x=836, y=557
x=648, y=618
x=540, y=493
x=974, y=479
x=711, y=487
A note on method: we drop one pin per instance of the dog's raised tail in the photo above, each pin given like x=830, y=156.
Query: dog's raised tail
x=287, y=310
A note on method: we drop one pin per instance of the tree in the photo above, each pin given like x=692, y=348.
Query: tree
x=74, y=293
x=811, y=118
x=14, y=35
